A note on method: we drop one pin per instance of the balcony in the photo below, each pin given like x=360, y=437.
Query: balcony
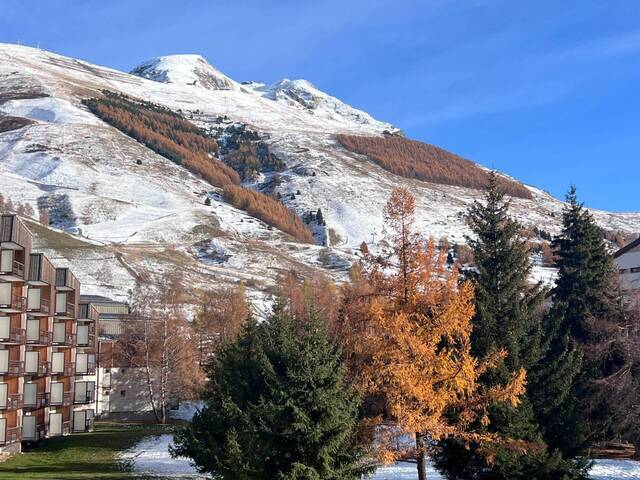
x=85, y=397
x=66, y=340
x=43, y=338
x=34, y=433
x=13, y=401
x=83, y=425
x=41, y=271
x=86, y=311
x=90, y=370
x=42, y=370
x=63, y=400
x=66, y=281
x=16, y=335
x=42, y=309
x=69, y=369
x=12, y=303
x=12, y=271
x=66, y=428
x=11, y=435
x=86, y=335
x=67, y=310
x=40, y=400
x=14, y=368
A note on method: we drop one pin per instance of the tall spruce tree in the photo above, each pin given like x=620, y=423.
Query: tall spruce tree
x=587, y=313
x=276, y=408
x=586, y=289
x=507, y=317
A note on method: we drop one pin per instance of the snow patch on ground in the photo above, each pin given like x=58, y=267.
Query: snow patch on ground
x=186, y=410
x=151, y=457
x=48, y=109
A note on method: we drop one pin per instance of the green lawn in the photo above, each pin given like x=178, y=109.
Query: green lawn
x=80, y=456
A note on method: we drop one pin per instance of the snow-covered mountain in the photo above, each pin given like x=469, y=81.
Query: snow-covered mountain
x=185, y=70
x=118, y=207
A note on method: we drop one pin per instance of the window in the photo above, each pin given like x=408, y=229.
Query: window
x=123, y=393
x=635, y=270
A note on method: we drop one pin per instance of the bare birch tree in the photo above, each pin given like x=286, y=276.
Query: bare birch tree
x=160, y=340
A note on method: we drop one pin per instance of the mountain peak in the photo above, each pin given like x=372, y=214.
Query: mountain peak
x=185, y=69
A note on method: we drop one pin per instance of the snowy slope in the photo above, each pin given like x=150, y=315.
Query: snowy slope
x=152, y=215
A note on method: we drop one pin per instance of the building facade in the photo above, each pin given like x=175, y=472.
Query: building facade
x=628, y=262
x=121, y=389
x=48, y=345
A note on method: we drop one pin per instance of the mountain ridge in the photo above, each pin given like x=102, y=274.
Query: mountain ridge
x=152, y=215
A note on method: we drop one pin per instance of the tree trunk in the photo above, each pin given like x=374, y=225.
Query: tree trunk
x=147, y=367
x=421, y=457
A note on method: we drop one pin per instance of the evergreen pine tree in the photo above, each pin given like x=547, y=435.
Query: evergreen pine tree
x=586, y=313
x=277, y=407
x=319, y=217
x=586, y=288
x=506, y=318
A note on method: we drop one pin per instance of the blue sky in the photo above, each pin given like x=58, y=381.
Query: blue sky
x=546, y=91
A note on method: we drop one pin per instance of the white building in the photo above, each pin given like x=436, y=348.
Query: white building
x=628, y=261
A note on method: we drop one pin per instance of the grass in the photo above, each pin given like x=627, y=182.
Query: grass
x=80, y=456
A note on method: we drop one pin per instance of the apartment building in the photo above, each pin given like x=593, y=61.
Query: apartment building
x=48, y=345
x=627, y=260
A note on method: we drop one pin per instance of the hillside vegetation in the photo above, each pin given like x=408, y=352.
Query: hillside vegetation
x=165, y=132
x=172, y=136
x=413, y=159
x=267, y=209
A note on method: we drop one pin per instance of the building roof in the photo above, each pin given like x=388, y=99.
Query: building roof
x=96, y=299
x=626, y=248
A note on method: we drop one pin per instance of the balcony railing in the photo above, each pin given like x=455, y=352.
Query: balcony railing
x=69, y=369
x=67, y=399
x=42, y=370
x=89, y=344
x=69, y=310
x=91, y=369
x=88, y=397
x=44, y=307
x=16, y=335
x=40, y=432
x=66, y=427
x=69, y=340
x=15, y=302
x=84, y=426
x=15, y=367
x=41, y=400
x=11, y=435
x=44, y=338
x=15, y=268
x=13, y=402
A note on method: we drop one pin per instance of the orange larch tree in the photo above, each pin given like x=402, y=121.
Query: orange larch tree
x=406, y=325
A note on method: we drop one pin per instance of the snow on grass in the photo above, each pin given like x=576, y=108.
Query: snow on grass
x=615, y=470
x=151, y=457
x=403, y=471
